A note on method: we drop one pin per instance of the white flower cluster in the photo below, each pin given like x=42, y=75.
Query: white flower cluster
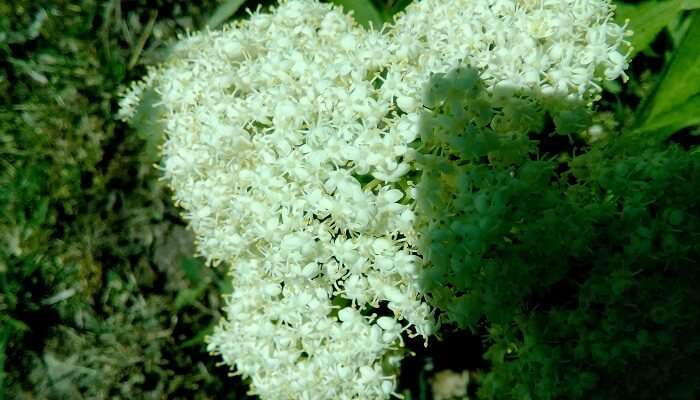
x=273, y=123
x=558, y=47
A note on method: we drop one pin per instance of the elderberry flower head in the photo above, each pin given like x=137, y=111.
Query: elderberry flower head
x=275, y=124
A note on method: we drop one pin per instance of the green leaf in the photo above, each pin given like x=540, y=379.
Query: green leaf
x=224, y=12
x=675, y=101
x=691, y=4
x=192, y=268
x=399, y=6
x=10, y=325
x=147, y=123
x=198, y=339
x=188, y=296
x=363, y=11
x=40, y=213
x=647, y=19
x=675, y=119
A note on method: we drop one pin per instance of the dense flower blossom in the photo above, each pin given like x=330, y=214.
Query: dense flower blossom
x=271, y=126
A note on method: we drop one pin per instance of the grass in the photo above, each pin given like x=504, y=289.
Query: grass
x=101, y=295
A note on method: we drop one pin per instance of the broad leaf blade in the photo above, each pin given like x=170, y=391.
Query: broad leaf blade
x=676, y=95
x=646, y=20
x=363, y=11
x=683, y=116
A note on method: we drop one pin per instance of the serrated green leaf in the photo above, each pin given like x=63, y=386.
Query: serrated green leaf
x=675, y=100
x=646, y=20
x=363, y=11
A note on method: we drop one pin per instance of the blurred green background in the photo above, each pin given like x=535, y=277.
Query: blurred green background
x=100, y=293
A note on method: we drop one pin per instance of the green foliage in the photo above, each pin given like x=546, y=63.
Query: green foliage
x=675, y=102
x=647, y=19
x=364, y=12
x=225, y=11
x=581, y=269
x=373, y=12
